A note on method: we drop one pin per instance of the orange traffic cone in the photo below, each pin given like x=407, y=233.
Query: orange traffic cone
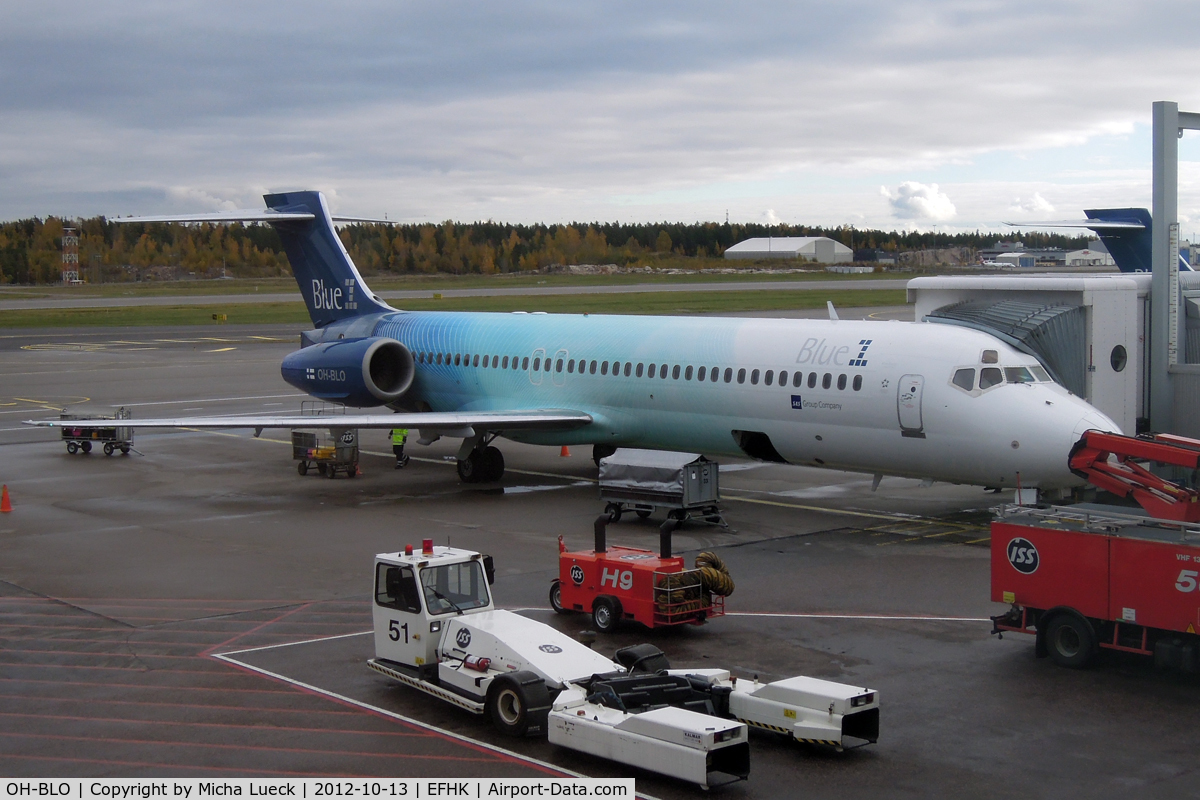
x=565, y=452
x=5, y=503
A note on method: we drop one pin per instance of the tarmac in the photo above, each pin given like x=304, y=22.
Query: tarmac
x=196, y=608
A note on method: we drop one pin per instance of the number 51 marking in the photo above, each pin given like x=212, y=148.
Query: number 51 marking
x=1187, y=580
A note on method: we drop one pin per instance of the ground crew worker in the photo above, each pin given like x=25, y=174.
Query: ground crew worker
x=399, y=437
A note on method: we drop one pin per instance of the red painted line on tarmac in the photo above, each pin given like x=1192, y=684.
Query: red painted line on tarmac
x=252, y=630
x=118, y=669
x=191, y=657
x=364, y=707
x=155, y=765
x=290, y=693
x=265, y=728
x=249, y=747
x=247, y=709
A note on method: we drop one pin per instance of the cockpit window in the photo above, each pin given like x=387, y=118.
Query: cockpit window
x=990, y=357
x=1041, y=374
x=1018, y=375
x=989, y=377
x=965, y=379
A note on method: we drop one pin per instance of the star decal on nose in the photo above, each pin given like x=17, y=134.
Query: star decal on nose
x=884, y=385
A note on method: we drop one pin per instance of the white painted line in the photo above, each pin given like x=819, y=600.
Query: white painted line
x=216, y=399
x=290, y=644
x=408, y=720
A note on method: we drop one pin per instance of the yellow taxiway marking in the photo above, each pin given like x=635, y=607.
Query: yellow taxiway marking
x=222, y=350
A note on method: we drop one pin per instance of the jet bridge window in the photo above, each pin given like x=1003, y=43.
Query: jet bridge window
x=451, y=588
x=989, y=377
x=964, y=379
x=395, y=587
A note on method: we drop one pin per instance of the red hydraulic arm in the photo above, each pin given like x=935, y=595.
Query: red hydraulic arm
x=1121, y=476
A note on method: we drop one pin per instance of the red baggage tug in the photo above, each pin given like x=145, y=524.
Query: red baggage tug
x=630, y=583
x=1085, y=577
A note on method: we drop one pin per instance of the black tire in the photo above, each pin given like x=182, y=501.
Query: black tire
x=321, y=469
x=302, y=467
x=614, y=512
x=85, y=447
x=643, y=513
x=508, y=706
x=331, y=472
x=556, y=597
x=470, y=469
x=492, y=461
x=677, y=513
x=352, y=471
x=108, y=448
x=72, y=448
x=606, y=613
x=1070, y=641
x=125, y=449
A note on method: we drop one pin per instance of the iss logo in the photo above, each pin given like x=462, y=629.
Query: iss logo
x=797, y=403
x=348, y=437
x=550, y=648
x=1023, y=556
x=576, y=574
x=463, y=638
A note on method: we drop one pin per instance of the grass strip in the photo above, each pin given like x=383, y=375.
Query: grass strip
x=637, y=303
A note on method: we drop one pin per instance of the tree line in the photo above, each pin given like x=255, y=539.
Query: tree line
x=31, y=249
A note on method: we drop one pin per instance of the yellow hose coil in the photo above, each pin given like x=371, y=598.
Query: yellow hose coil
x=714, y=575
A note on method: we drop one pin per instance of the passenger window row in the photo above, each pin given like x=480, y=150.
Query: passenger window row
x=630, y=369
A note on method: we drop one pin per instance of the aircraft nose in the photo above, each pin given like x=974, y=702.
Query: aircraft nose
x=1094, y=420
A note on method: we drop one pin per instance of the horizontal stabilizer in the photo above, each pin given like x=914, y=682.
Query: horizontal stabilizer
x=1093, y=224
x=247, y=215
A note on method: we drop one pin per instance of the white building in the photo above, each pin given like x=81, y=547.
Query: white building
x=1090, y=258
x=814, y=248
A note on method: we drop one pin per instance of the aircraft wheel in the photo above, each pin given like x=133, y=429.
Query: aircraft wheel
x=606, y=613
x=556, y=596
x=470, y=470
x=1070, y=641
x=493, y=464
x=72, y=448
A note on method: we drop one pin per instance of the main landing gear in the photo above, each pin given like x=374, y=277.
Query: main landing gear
x=483, y=465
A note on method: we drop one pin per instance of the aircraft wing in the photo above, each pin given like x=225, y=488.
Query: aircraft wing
x=246, y=215
x=432, y=424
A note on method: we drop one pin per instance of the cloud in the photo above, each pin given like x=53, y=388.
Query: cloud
x=770, y=217
x=917, y=201
x=540, y=111
x=1033, y=205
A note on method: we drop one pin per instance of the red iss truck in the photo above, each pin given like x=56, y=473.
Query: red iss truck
x=1092, y=576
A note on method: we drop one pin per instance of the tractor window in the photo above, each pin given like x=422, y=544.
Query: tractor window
x=454, y=587
x=395, y=587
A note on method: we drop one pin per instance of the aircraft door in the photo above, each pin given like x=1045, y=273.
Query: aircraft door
x=908, y=405
x=536, y=366
x=559, y=376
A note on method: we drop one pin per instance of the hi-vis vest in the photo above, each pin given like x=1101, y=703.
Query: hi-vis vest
x=399, y=435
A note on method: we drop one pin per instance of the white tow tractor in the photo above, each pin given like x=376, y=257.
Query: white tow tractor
x=437, y=630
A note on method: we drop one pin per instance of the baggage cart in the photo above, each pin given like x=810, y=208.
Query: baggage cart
x=686, y=484
x=82, y=439
x=328, y=454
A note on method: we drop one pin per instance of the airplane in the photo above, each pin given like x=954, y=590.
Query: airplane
x=912, y=399
x=1125, y=233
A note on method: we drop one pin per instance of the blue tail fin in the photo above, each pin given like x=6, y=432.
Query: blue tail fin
x=1129, y=247
x=328, y=280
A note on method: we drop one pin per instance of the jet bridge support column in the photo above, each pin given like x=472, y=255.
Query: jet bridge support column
x=1166, y=334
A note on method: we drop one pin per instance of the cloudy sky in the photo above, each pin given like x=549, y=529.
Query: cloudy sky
x=875, y=113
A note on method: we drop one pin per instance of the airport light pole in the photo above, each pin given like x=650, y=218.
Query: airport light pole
x=1166, y=334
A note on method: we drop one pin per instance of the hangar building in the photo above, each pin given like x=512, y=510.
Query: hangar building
x=814, y=248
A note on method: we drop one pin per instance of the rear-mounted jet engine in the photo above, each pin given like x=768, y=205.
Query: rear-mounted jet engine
x=357, y=372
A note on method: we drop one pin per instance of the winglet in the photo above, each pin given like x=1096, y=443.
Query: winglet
x=832, y=310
